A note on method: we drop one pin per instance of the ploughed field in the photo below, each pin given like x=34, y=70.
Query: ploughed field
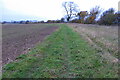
x=20, y=38
x=64, y=54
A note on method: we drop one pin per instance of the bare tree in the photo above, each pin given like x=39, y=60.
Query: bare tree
x=71, y=9
x=94, y=13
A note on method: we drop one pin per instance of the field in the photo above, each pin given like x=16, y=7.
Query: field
x=19, y=38
x=103, y=38
x=69, y=52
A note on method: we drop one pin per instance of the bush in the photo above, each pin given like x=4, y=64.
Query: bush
x=108, y=17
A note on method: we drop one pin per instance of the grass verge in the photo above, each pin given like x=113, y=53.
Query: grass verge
x=62, y=55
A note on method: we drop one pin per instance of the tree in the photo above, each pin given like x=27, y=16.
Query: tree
x=109, y=17
x=70, y=8
x=4, y=22
x=94, y=12
x=82, y=16
x=41, y=21
x=62, y=19
x=49, y=21
x=26, y=22
x=109, y=11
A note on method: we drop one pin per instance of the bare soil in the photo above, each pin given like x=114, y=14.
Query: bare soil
x=19, y=38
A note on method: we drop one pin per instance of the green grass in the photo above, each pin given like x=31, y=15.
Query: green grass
x=64, y=54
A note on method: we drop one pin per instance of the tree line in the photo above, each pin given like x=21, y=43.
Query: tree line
x=74, y=15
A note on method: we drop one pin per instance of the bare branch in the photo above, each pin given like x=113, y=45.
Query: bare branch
x=70, y=8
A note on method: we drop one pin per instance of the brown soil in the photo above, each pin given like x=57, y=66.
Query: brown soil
x=13, y=47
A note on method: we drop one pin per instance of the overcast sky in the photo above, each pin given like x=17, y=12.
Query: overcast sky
x=46, y=9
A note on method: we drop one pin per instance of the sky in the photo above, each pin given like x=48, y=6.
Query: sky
x=11, y=10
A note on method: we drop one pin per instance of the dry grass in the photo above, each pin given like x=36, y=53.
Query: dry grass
x=104, y=38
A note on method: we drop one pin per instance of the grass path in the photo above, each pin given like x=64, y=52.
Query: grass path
x=63, y=55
